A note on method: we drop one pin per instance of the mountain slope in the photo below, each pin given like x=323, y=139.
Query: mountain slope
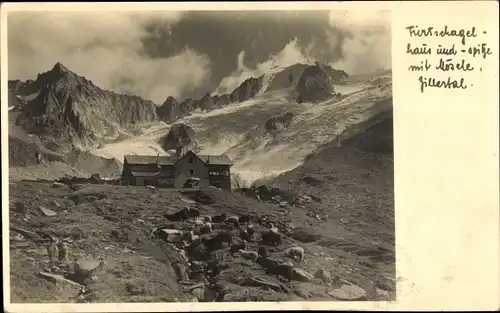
x=239, y=129
x=67, y=110
x=30, y=159
x=334, y=154
x=357, y=174
x=294, y=76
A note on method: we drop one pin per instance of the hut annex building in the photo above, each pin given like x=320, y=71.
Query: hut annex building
x=175, y=171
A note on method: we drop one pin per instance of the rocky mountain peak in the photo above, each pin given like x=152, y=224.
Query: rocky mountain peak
x=59, y=68
x=57, y=75
x=66, y=108
x=170, y=101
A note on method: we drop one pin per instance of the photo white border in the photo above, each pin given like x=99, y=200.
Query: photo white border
x=446, y=169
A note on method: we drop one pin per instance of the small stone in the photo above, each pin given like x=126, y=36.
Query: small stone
x=47, y=212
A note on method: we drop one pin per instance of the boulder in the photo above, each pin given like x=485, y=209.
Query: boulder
x=171, y=235
x=85, y=268
x=181, y=271
x=349, y=292
x=301, y=275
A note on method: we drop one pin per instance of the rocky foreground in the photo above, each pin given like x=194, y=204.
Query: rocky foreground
x=113, y=256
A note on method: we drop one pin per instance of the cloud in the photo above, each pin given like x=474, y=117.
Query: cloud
x=357, y=41
x=366, y=40
x=291, y=54
x=106, y=48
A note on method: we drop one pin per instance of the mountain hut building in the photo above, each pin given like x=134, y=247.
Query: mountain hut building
x=176, y=171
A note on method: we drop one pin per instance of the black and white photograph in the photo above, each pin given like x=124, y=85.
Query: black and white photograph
x=200, y=156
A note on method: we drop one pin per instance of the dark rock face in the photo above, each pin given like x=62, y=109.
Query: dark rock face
x=222, y=100
x=377, y=136
x=335, y=75
x=248, y=89
x=315, y=83
x=68, y=108
x=179, y=135
x=278, y=123
x=169, y=110
x=206, y=103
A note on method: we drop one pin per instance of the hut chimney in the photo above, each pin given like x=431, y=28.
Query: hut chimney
x=208, y=159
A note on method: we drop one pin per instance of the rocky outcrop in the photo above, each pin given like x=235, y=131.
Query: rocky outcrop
x=170, y=111
x=316, y=84
x=281, y=122
x=206, y=103
x=179, y=135
x=221, y=100
x=335, y=75
x=67, y=108
x=247, y=89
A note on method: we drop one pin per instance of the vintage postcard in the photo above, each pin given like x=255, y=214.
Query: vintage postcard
x=301, y=155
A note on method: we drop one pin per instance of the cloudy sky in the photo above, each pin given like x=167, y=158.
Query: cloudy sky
x=187, y=54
